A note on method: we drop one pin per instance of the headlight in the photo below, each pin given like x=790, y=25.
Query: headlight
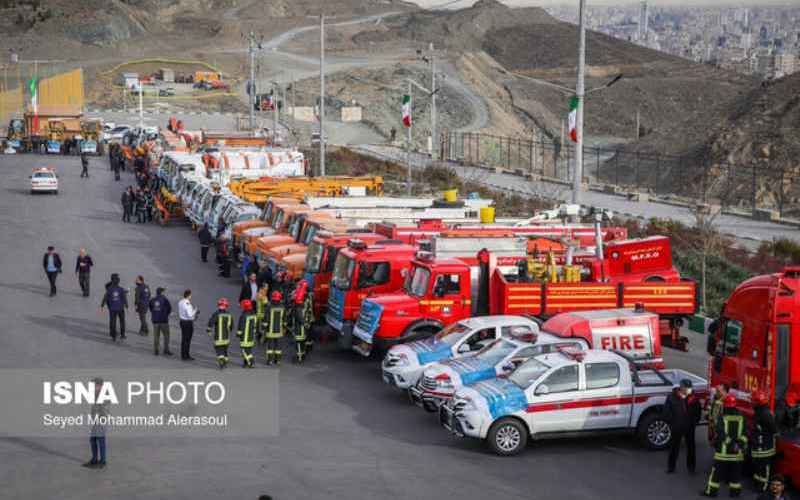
x=402, y=360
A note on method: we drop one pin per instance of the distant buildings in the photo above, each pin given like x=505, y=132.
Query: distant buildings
x=763, y=41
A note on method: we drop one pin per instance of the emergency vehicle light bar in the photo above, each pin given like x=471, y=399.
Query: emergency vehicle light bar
x=572, y=353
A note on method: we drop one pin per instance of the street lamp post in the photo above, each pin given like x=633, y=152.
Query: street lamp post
x=580, y=91
x=322, y=95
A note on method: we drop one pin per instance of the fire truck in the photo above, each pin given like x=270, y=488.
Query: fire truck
x=438, y=292
x=753, y=346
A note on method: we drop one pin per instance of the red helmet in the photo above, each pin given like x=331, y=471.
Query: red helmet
x=223, y=303
x=276, y=296
x=247, y=305
x=791, y=398
x=729, y=401
x=760, y=398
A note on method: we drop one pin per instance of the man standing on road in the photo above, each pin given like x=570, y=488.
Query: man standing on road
x=141, y=302
x=116, y=166
x=249, y=290
x=83, y=268
x=127, y=205
x=682, y=411
x=52, y=266
x=84, y=165
x=160, y=309
x=205, y=242
x=729, y=446
x=97, y=439
x=187, y=313
x=219, y=327
x=116, y=298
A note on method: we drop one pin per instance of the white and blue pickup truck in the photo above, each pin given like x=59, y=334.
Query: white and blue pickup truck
x=403, y=364
x=498, y=359
x=564, y=394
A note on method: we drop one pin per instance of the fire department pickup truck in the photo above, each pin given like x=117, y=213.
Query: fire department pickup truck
x=566, y=393
x=498, y=359
x=404, y=363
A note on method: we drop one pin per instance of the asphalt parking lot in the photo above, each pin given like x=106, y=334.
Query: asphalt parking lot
x=343, y=434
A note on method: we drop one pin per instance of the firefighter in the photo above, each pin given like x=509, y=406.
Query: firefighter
x=729, y=446
x=246, y=331
x=300, y=305
x=714, y=410
x=762, y=447
x=273, y=328
x=220, y=325
x=261, y=309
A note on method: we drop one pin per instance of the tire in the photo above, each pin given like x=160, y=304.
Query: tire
x=508, y=436
x=654, y=432
x=430, y=407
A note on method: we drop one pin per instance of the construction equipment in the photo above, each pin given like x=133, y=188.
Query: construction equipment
x=56, y=132
x=168, y=207
x=258, y=191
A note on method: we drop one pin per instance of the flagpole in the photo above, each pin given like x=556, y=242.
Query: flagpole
x=577, y=176
x=408, y=141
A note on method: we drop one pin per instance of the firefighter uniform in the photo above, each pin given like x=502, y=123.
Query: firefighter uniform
x=273, y=331
x=762, y=448
x=714, y=413
x=729, y=446
x=219, y=327
x=299, y=321
x=261, y=309
x=246, y=331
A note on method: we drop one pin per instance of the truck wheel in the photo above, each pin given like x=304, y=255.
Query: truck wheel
x=654, y=432
x=507, y=437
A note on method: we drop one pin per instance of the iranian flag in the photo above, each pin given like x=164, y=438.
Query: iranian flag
x=573, y=118
x=33, y=86
x=407, y=110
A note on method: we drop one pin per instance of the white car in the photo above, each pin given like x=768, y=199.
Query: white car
x=404, y=363
x=565, y=393
x=44, y=180
x=116, y=133
x=498, y=359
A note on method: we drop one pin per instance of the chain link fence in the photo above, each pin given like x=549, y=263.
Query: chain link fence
x=692, y=178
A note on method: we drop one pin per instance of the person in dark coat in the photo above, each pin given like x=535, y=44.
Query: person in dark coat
x=141, y=302
x=127, y=205
x=83, y=268
x=52, y=266
x=249, y=289
x=682, y=411
x=116, y=298
x=206, y=240
x=140, y=207
x=160, y=309
x=224, y=258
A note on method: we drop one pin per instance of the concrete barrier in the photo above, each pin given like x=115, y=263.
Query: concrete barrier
x=302, y=113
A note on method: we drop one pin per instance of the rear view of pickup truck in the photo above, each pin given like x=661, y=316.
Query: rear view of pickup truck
x=564, y=394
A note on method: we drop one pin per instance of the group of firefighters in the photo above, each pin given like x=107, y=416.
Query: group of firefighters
x=277, y=310
x=731, y=443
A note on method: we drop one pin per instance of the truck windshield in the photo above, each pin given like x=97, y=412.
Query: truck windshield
x=276, y=224
x=294, y=228
x=495, y=351
x=372, y=274
x=452, y=333
x=314, y=257
x=309, y=234
x=417, y=285
x=528, y=373
x=343, y=272
x=330, y=260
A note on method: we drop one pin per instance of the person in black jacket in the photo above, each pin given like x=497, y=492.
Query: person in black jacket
x=83, y=268
x=206, y=240
x=249, y=289
x=116, y=298
x=682, y=411
x=160, y=309
x=777, y=489
x=127, y=205
x=141, y=303
x=52, y=266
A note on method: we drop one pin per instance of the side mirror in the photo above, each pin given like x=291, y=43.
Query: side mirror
x=508, y=367
x=542, y=390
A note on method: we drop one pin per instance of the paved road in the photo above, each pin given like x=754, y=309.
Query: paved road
x=742, y=228
x=342, y=433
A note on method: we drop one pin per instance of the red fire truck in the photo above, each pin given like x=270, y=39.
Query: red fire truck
x=439, y=292
x=754, y=345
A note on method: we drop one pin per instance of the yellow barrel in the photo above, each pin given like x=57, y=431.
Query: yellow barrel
x=487, y=215
x=451, y=195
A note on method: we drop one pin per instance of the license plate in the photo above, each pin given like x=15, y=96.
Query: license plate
x=365, y=336
x=333, y=323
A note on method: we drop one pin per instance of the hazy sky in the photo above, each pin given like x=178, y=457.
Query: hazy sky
x=466, y=3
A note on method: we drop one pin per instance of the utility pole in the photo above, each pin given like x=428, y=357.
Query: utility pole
x=434, y=138
x=252, y=83
x=408, y=140
x=322, y=95
x=274, y=114
x=141, y=107
x=580, y=91
x=294, y=100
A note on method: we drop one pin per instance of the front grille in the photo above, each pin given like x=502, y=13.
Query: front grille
x=458, y=405
x=428, y=383
x=391, y=360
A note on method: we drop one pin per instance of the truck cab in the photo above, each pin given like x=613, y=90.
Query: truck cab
x=361, y=271
x=753, y=345
x=285, y=216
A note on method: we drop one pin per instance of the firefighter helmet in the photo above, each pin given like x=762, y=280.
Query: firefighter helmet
x=760, y=398
x=223, y=303
x=729, y=401
x=276, y=296
x=791, y=399
x=247, y=305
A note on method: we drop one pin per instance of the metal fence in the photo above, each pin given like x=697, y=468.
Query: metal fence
x=757, y=185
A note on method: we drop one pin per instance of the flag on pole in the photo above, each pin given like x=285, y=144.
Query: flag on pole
x=573, y=118
x=33, y=86
x=407, y=110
